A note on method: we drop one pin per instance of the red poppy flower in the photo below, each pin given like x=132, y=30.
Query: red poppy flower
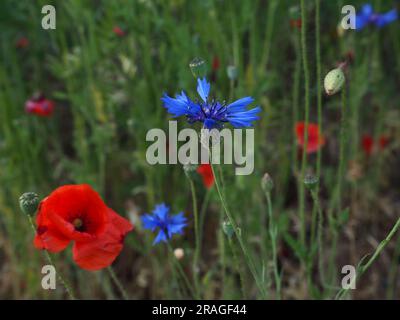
x=118, y=31
x=367, y=144
x=77, y=213
x=295, y=23
x=206, y=173
x=215, y=63
x=22, y=42
x=40, y=106
x=315, y=138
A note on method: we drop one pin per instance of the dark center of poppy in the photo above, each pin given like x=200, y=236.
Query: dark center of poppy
x=78, y=224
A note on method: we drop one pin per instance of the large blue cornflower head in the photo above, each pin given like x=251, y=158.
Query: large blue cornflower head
x=368, y=16
x=212, y=113
x=167, y=224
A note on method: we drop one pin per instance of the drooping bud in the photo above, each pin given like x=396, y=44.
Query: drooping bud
x=232, y=72
x=334, y=81
x=311, y=181
x=198, y=67
x=190, y=170
x=29, y=203
x=267, y=184
x=228, y=228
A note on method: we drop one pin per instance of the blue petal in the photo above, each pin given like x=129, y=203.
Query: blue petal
x=239, y=105
x=367, y=10
x=148, y=222
x=177, y=107
x=176, y=228
x=161, y=211
x=161, y=236
x=245, y=118
x=361, y=22
x=177, y=218
x=386, y=18
x=203, y=88
x=210, y=123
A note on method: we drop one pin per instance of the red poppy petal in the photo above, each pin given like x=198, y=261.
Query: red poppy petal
x=206, y=173
x=101, y=252
x=49, y=240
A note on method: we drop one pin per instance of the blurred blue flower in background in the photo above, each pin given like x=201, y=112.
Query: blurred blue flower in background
x=368, y=16
x=213, y=114
x=167, y=224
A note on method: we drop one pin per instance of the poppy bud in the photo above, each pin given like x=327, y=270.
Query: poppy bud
x=334, y=81
x=311, y=181
x=190, y=170
x=266, y=183
x=29, y=203
x=228, y=228
x=232, y=72
x=198, y=67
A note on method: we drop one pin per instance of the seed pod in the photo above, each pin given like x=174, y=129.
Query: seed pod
x=232, y=72
x=228, y=228
x=311, y=181
x=334, y=81
x=267, y=183
x=29, y=203
x=190, y=170
x=198, y=67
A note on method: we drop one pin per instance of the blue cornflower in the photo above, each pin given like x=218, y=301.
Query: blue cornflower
x=212, y=113
x=166, y=223
x=368, y=16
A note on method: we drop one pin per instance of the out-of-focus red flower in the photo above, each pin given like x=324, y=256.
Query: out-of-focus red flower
x=118, y=31
x=315, y=138
x=40, y=106
x=369, y=146
x=295, y=23
x=215, y=63
x=22, y=42
x=206, y=173
x=383, y=141
x=77, y=213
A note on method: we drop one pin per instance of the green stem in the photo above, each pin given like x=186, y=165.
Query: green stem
x=363, y=268
x=245, y=251
x=197, y=236
x=51, y=262
x=306, y=120
x=238, y=267
x=273, y=234
x=117, y=282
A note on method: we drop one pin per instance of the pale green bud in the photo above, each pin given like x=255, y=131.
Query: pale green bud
x=334, y=81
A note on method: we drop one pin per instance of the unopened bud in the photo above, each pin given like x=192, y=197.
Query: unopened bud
x=266, y=183
x=311, y=181
x=232, y=72
x=190, y=170
x=29, y=203
x=334, y=81
x=228, y=229
x=198, y=67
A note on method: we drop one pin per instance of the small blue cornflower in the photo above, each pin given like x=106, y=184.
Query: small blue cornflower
x=212, y=113
x=368, y=16
x=167, y=224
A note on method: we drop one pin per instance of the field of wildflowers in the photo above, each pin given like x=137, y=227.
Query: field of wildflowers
x=316, y=219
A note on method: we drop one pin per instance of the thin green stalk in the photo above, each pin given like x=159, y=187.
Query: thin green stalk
x=117, y=282
x=245, y=251
x=273, y=235
x=197, y=236
x=51, y=262
x=238, y=267
x=363, y=268
x=306, y=120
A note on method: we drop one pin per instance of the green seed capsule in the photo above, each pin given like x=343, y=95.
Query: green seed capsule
x=190, y=170
x=29, y=203
x=198, y=67
x=228, y=229
x=334, y=81
x=232, y=72
x=266, y=183
x=311, y=181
